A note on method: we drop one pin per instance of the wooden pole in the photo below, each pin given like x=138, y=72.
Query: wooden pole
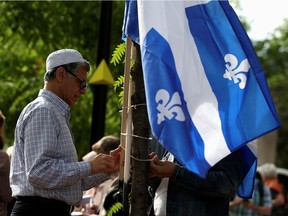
x=126, y=123
x=140, y=141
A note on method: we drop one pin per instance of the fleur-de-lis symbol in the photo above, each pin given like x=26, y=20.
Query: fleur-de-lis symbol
x=235, y=71
x=169, y=108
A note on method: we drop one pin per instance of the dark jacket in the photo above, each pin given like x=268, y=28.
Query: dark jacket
x=190, y=195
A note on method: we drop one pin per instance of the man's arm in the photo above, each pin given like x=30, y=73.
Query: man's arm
x=222, y=180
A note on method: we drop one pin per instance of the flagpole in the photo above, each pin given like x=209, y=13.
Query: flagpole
x=127, y=163
x=126, y=125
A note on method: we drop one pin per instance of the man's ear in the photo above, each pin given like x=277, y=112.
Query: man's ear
x=60, y=73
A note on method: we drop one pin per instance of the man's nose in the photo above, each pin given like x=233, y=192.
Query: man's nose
x=83, y=90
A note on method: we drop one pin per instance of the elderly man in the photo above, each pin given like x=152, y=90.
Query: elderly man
x=46, y=177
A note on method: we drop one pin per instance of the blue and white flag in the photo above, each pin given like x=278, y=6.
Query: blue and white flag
x=206, y=92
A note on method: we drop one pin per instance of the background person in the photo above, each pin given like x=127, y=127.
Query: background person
x=46, y=177
x=270, y=178
x=93, y=199
x=260, y=204
x=181, y=192
x=5, y=190
x=10, y=205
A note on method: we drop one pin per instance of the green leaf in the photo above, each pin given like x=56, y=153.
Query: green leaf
x=118, y=54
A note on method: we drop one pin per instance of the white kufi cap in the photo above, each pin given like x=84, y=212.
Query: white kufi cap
x=62, y=57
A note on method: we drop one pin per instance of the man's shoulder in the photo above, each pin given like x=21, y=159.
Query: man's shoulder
x=39, y=104
x=39, y=108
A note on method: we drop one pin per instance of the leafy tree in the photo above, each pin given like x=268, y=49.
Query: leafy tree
x=273, y=54
x=29, y=32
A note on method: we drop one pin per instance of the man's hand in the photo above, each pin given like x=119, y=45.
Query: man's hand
x=105, y=163
x=116, y=153
x=159, y=168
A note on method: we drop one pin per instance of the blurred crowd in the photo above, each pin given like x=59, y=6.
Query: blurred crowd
x=270, y=195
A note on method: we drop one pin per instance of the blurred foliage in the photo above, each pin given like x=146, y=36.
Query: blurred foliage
x=29, y=32
x=273, y=55
x=118, y=87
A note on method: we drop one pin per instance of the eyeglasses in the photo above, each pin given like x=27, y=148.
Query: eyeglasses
x=82, y=81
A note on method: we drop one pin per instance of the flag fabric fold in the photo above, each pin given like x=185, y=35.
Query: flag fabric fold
x=206, y=91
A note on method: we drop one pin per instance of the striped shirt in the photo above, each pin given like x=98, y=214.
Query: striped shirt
x=44, y=161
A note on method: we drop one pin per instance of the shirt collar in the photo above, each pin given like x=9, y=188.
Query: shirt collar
x=56, y=101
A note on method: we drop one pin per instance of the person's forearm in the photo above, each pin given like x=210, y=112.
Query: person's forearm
x=279, y=200
x=261, y=209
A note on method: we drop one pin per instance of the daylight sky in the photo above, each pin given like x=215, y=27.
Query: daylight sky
x=263, y=16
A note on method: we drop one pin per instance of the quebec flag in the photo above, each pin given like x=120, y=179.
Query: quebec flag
x=207, y=94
